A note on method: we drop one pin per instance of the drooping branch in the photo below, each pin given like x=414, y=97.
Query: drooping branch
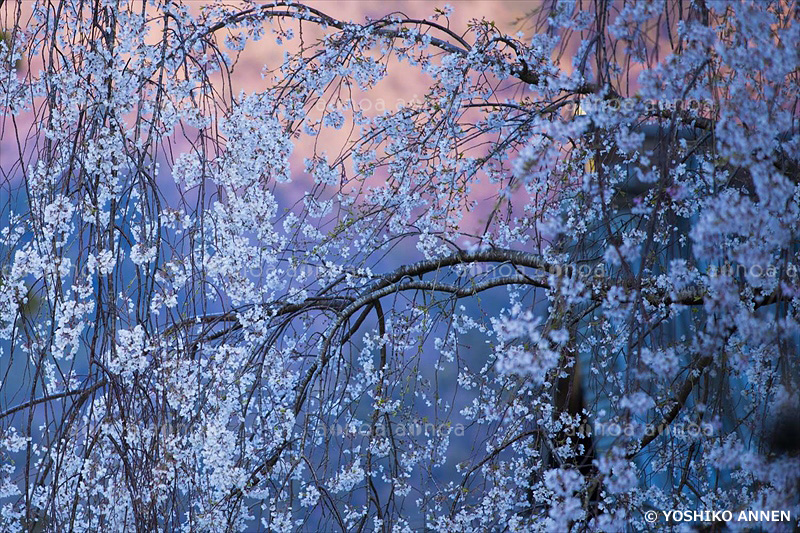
x=52, y=397
x=380, y=28
x=695, y=373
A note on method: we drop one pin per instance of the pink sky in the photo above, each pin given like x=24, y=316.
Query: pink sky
x=403, y=83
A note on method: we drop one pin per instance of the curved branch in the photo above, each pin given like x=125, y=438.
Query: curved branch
x=51, y=397
x=694, y=376
x=309, y=14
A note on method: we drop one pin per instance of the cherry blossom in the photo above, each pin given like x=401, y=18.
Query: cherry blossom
x=502, y=303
